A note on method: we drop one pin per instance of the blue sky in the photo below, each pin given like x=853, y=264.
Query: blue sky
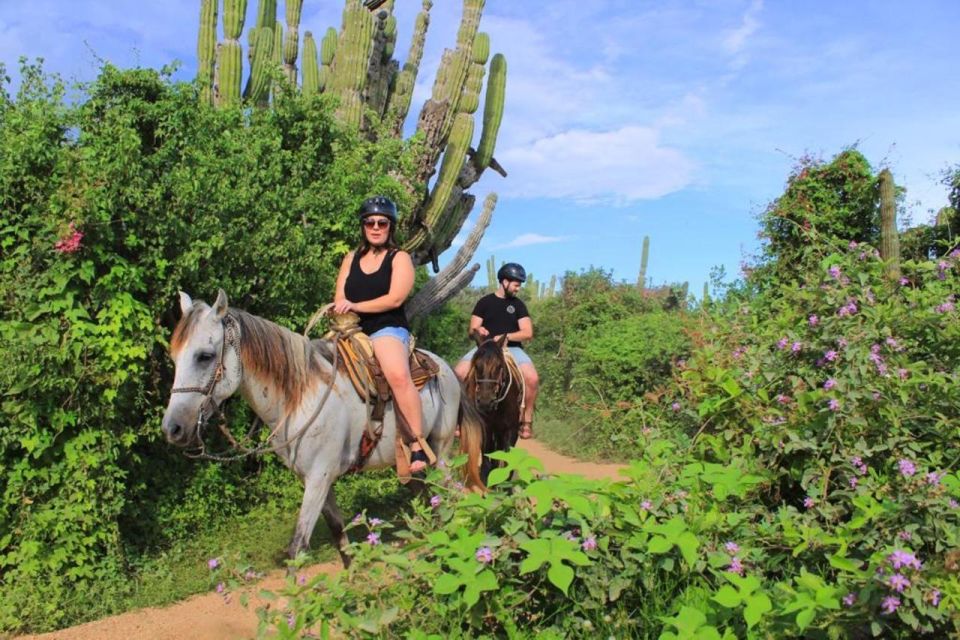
x=677, y=120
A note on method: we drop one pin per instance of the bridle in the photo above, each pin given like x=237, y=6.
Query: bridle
x=503, y=387
x=231, y=338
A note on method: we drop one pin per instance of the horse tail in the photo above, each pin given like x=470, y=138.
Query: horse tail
x=471, y=442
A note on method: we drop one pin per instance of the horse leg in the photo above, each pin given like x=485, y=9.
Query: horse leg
x=315, y=493
x=334, y=520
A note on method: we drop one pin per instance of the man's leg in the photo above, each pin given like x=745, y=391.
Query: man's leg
x=531, y=381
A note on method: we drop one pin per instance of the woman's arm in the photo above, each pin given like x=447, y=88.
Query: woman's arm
x=401, y=284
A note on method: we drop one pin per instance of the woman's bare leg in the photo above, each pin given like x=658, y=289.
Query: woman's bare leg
x=394, y=359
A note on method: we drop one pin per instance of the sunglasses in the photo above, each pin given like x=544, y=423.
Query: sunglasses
x=376, y=223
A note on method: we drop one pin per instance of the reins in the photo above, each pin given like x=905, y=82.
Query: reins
x=505, y=387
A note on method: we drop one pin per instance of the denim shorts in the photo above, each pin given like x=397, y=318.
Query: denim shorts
x=399, y=333
x=519, y=355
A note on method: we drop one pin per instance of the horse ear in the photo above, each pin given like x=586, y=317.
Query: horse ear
x=186, y=303
x=502, y=340
x=220, y=305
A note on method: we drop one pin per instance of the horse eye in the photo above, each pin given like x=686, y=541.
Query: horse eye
x=204, y=356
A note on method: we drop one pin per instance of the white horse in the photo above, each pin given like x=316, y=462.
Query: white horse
x=316, y=417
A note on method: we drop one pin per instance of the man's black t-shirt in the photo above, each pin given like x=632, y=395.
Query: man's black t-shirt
x=500, y=315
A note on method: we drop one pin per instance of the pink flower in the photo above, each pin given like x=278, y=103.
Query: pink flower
x=933, y=478
x=834, y=404
x=890, y=604
x=830, y=355
x=899, y=559
x=69, y=243
x=796, y=346
x=675, y=406
x=213, y=563
x=809, y=502
x=435, y=501
x=854, y=480
x=484, y=555
x=782, y=399
x=829, y=384
x=736, y=566
x=934, y=597
x=898, y=582
x=373, y=539
x=220, y=587
x=813, y=320
x=907, y=468
x=849, y=599
x=732, y=547
x=374, y=522
x=782, y=343
x=646, y=505
x=903, y=373
x=589, y=544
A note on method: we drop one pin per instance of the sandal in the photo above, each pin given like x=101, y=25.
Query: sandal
x=526, y=430
x=418, y=461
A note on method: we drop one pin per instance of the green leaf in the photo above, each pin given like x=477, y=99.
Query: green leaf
x=659, y=544
x=805, y=617
x=497, y=476
x=446, y=584
x=756, y=606
x=688, y=544
x=561, y=576
x=727, y=596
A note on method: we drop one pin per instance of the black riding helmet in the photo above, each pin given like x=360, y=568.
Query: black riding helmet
x=379, y=205
x=511, y=271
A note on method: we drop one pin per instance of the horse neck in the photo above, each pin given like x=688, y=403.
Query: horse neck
x=281, y=372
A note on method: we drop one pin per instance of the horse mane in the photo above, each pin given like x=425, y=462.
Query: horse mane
x=283, y=359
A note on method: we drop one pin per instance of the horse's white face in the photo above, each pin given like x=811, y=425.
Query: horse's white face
x=202, y=346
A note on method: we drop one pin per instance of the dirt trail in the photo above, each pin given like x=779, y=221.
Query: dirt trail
x=208, y=617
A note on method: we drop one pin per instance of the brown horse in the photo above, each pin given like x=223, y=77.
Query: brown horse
x=495, y=386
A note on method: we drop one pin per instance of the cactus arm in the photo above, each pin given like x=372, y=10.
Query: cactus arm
x=492, y=283
x=433, y=291
x=207, y=49
x=292, y=40
x=258, y=86
x=420, y=306
x=310, y=69
x=889, y=237
x=229, y=56
x=492, y=112
x=399, y=101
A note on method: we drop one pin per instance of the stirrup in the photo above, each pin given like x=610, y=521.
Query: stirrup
x=424, y=455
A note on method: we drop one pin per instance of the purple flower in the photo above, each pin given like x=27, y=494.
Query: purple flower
x=907, y=468
x=953, y=504
x=435, y=501
x=933, y=478
x=646, y=505
x=813, y=320
x=782, y=399
x=830, y=355
x=834, y=271
x=809, y=502
x=301, y=580
x=732, y=547
x=357, y=519
x=484, y=555
x=291, y=620
x=898, y=582
x=829, y=384
x=946, y=307
x=892, y=343
x=675, y=406
x=782, y=343
x=890, y=604
x=589, y=544
x=904, y=282
x=905, y=535
x=899, y=559
x=834, y=404
x=842, y=342
x=903, y=373
x=852, y=245
x=250, y=575
x=934, y=597
x=375, y=522
x=213, y=563
x=849, y=599
x=220, y=587
x=736, y=566
x=853, y=482
x=856, y=461
x=373, y=538
x=796, y=346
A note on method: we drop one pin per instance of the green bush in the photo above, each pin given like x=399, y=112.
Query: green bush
x=111, y=203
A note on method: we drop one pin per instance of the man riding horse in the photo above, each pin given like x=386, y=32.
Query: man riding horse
x=502, y=313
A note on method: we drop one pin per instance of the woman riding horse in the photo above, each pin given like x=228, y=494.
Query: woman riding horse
x=374, y=282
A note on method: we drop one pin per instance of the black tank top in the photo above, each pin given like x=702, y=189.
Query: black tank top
x=361, y=287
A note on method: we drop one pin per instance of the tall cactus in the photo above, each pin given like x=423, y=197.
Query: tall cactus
x=492, y=283
x=374, y=91
x=207, y=49
x=644, y=255
x=889, y=237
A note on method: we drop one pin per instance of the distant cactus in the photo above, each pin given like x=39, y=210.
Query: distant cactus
x=889, y=237
x=705, y=300
x=492, y=283
x=644, y=256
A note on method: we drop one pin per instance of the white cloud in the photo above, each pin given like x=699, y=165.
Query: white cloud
x=613, y=167
x=527, y=239
x=735, y=40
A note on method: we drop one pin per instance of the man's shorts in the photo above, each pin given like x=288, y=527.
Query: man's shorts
x=399, y=333
x=518, y=355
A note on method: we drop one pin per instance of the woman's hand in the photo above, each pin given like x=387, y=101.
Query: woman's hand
x=342, y=306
